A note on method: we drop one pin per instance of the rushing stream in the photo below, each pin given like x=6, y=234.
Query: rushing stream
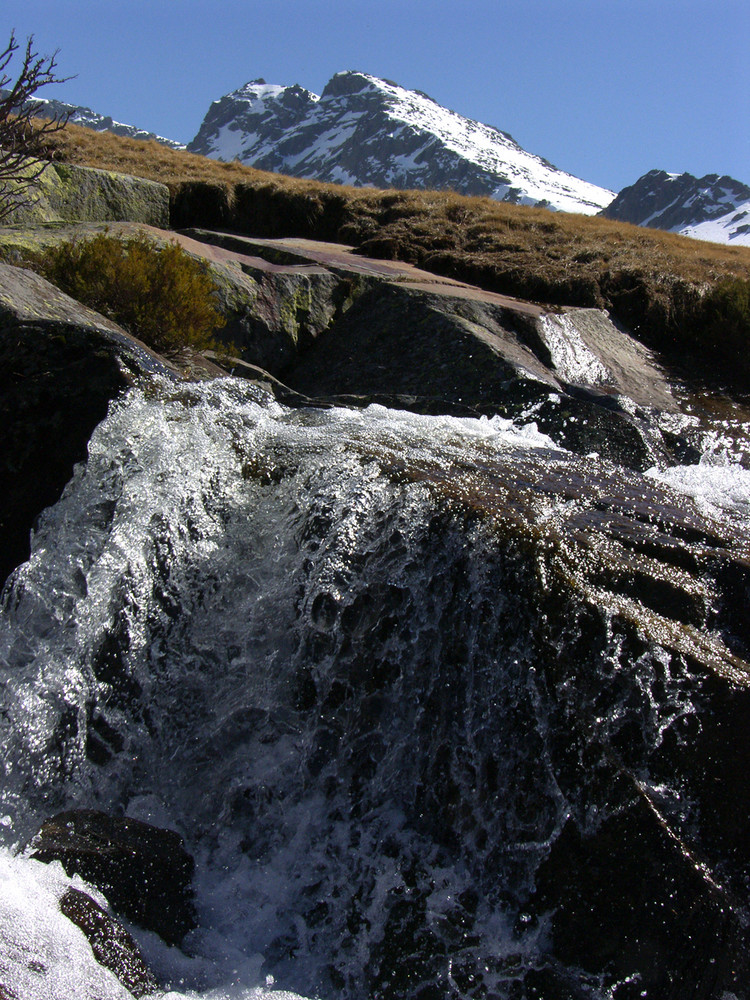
x=313, y=642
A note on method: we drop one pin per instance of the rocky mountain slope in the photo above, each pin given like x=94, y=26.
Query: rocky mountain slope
x=80, y=115
x=367, y=131
x=707, y=208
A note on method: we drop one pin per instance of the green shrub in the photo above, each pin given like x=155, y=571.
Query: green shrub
x=158, y=293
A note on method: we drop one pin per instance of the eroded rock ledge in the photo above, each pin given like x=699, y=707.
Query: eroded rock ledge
x=329, y=327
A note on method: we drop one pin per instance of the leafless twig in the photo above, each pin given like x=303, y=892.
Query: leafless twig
x=24, y=145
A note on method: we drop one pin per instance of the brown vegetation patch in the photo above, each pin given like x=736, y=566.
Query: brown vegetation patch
x=651, y=280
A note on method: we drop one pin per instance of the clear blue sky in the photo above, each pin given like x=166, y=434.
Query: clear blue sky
x=605, y=89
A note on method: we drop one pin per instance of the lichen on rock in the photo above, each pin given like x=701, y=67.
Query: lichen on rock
x=69, y=193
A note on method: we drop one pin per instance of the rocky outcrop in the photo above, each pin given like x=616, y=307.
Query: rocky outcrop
x=66, y=192
x=144, y=871
x=329, y=326
x=61, y=364
x=565, y=641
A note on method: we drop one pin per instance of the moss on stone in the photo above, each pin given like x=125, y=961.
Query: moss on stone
x=68, y=193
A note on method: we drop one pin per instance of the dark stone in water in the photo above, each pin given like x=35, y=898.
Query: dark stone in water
x=630, y=900
x=144, y=871
x=111, y=944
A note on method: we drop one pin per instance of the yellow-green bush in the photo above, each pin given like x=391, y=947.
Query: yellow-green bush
x=158, y=293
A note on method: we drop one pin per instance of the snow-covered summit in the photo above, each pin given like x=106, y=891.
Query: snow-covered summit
x=707, y=208
x=366, y=131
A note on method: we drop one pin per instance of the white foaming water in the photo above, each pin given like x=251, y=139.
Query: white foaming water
x=718, y=490
x=43, y=954
x=258, y=627
x=571, y=358
x=719, y=483
x=192, y=502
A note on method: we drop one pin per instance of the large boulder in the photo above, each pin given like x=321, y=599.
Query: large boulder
x=61, y=365
x=65, y=192
x=603, y=892
x=144, y=871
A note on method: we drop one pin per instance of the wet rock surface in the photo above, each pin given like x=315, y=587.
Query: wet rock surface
x=145, y=872
x=606, y=892
x=111, y=944
x=61, y=364
x=538, y=660
x=400, y=336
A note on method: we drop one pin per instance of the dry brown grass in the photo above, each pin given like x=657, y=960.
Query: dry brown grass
x=477, y=226
x=651, y=280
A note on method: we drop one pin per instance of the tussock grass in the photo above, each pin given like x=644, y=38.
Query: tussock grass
x=477, y=226
x=651, y=280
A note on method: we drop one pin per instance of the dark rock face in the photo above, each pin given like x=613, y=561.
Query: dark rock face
x=61, y=364
x=111, y=944
x=676, y=201
x=144, y=872
x=626, y=869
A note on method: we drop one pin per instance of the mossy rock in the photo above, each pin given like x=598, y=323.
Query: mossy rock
x=68, y=193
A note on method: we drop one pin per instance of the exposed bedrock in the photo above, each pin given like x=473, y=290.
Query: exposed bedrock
x=60, y=366
x=394, y=334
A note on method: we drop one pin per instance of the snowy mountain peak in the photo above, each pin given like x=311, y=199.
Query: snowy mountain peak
x=364, y=130
x=260, y=91
x=708, y=208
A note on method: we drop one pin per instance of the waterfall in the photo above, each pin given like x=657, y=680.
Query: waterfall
x=330, y=648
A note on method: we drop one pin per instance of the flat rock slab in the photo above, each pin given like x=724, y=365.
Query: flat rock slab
x=291, y=250
x=563, y=347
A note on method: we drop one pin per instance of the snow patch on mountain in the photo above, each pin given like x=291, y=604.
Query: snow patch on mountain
x=707, y=208
x=366, y=131
x=734, y=227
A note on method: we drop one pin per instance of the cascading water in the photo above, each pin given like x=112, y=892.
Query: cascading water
x=316, y=643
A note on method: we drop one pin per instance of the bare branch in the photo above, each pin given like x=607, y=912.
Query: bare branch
x=23, y=144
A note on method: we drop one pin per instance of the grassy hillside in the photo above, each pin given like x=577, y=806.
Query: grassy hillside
x=652, y=281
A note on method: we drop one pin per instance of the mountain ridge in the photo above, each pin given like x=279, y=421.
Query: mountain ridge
x=79, y=114
x=713, y=207
x=269, y=127
x=365, y=131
